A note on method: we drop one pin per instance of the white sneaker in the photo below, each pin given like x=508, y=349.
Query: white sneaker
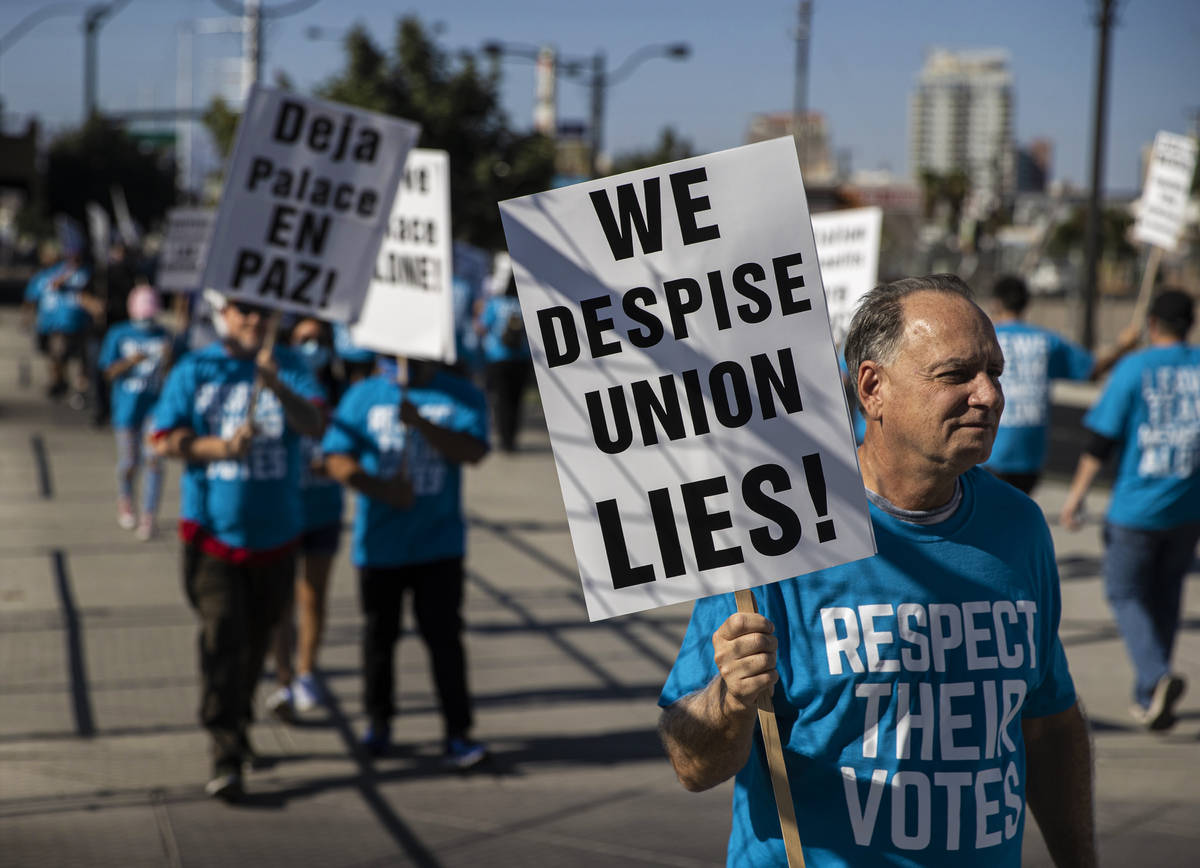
x=307, y=693
x=125, y=517
x=145, y=528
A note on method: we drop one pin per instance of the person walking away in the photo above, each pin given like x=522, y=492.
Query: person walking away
x=506, y=352
x=131, y=360
x=402, y=447
x=923, y=695
x=321, y=500
x=1033, y=356
x=1149, y=414
x=65, y=312
x=240, y=513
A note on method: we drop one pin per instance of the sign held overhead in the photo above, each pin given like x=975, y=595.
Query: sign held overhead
x=306, y=201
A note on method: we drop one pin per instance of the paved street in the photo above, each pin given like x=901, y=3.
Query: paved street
x=102, y=762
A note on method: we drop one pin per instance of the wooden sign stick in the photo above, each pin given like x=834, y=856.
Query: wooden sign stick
x=1148, y=276
x=269, y=346
x=774, y=747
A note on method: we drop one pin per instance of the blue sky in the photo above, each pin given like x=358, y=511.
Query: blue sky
x=865, y=57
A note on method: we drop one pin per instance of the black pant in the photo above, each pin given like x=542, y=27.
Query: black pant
x=238, y=607
x=506, y=385
x=437, y=591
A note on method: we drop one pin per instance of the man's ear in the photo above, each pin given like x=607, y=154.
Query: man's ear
x=871, y=379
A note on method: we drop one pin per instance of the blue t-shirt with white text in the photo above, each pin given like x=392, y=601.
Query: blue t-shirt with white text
x=367, y=427
x=1151, y=404
x=58, y=307
x=250, y=503
x=1033, y=356
x=497, y=314
x=903, y=679
x=135, y=391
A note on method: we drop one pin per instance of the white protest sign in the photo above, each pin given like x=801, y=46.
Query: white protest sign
x=1168, y=184
x=409, y=309
x=848, y=251
x=307, y=196
x=185, y=244
x=688, y=379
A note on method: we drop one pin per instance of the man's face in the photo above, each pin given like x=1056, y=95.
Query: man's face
x=940, y=398
x=246, y=324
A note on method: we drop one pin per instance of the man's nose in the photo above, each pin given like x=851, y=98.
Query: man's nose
x=986, y=392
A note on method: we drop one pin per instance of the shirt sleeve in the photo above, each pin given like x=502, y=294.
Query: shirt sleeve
x=108, y=350
x=1069, y=361
x=297, y=377
x=694, y=664
x=1111, y=413
x=174, y=406
x=345, y=434
x=1055, y=689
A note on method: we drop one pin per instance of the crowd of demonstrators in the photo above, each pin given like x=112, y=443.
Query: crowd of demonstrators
x=1033, y=356
x=240, y=515
x=132, y=361
x=509, y=366
x=873, y=749
x=400, y=440
x=1149, y=415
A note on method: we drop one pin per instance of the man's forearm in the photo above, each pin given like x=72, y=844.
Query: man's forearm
x=303, y=416
x=185, y=444
x=707, y=743
x=456, y=446
x=1058, y=790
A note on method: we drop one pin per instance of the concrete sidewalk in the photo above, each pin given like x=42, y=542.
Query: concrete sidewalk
x=102, y=762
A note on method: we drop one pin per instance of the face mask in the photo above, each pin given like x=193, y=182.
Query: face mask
x=314, y=355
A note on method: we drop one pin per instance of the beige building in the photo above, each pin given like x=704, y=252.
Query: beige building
x=812, y=145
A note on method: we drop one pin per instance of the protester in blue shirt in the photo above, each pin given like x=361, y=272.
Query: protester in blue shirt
x=321, y=502
x=132, y=359
x=240, y=513
x=1150, y=413
x=1033, y=356
x=506, y=351
x=922, y=695
x=65, y=311
x=402, y=449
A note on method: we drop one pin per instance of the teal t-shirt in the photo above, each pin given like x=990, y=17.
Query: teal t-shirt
x=367, y=427
x=136, y=390
x=1033, y=357
x=1152, y=406
x=903, y=681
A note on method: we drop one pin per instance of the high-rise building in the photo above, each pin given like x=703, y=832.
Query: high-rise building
x=961, y=119
x=812, y=144
x=1033, y=166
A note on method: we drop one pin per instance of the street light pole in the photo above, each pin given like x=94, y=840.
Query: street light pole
x=1092, y=249
x=93, y=18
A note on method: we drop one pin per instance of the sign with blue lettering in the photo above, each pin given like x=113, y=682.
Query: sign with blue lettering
x=306, y=201
x=409, y=310
x=689, y=381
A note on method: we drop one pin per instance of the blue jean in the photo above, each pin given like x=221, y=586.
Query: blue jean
x=132, y=451
x=1143, y=578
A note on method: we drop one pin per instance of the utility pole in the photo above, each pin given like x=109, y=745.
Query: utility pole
x=800, y=95
x=93, y=18
x=596, y=126
x=1104, y=22
x=251, y=45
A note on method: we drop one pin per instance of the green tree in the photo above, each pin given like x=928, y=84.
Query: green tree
x=458, y=107
x=1114, y=234
x=222, y=122
x=84, y=164
x=671, y=146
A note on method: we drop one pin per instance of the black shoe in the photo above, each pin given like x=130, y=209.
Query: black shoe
x=226, y=786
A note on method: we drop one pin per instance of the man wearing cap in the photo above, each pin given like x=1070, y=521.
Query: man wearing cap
x=1149, y=414
x=240, y=515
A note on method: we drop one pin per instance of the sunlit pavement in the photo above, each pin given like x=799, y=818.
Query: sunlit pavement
x=102, y=762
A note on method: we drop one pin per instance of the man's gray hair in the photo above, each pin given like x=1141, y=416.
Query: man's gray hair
x=878, y=323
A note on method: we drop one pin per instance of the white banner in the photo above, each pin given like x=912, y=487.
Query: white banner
x=848, y=250
x=1162, y=208
x=409, y=310
x=184, y=248
x=308, y=193
x=690, y=386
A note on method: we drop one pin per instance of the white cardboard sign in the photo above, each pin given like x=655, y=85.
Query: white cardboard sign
x=689, y=382
x=409, y=309
x=848, y=250
x=184, y=248
x=307, y=196
x=1168, y=183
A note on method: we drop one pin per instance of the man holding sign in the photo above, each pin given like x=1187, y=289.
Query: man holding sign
x=922, y=695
